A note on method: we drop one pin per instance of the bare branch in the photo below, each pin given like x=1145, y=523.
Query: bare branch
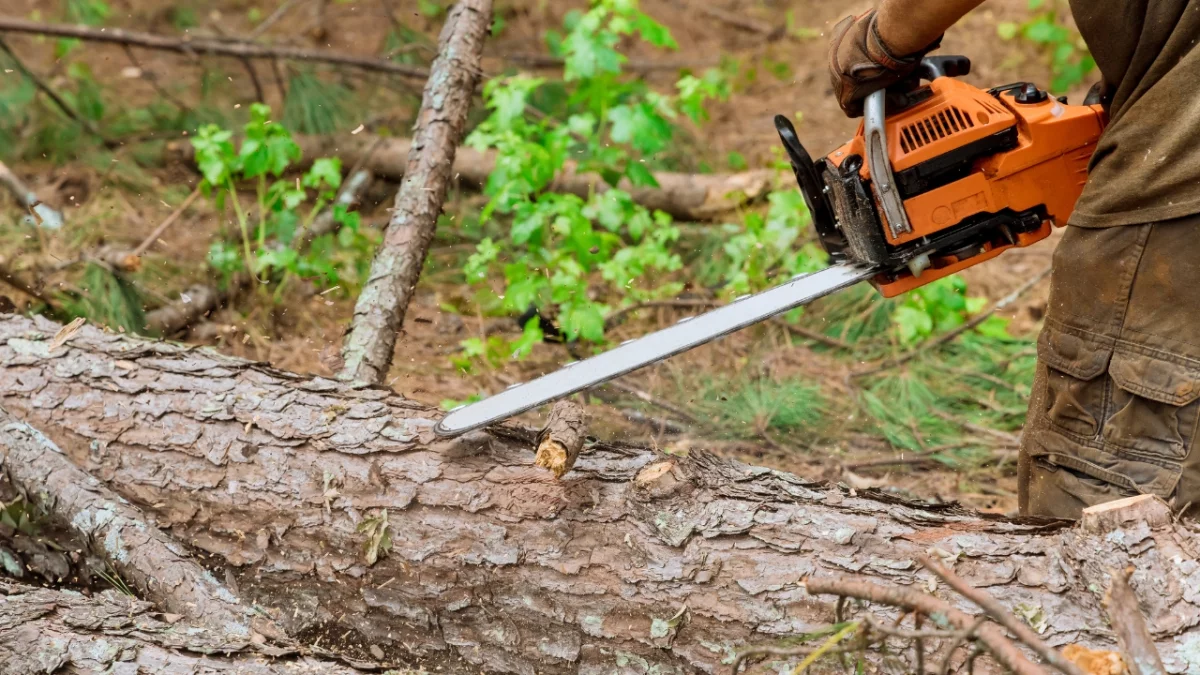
x=214, y=47
x=379, y=312
x=1137, y=644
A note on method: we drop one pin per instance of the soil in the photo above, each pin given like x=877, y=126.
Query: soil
x=102, y=206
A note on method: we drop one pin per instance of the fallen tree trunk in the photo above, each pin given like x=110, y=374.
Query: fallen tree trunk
x=484, y=558
x=693, y=197
x=45, y=631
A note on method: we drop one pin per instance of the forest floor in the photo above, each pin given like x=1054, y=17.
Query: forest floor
x=758, y=395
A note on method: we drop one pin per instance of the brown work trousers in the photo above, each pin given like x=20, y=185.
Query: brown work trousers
x=1117, y=394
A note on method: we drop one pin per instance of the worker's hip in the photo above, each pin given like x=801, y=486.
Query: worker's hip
x=1116, y=401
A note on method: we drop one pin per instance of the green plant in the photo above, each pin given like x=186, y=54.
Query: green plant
x=271, y=230
x=572, y=256
x=108, y=299
x=1070, y=60
x=746, y=408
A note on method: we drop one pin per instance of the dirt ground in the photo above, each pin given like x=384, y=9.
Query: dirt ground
x=101, y=210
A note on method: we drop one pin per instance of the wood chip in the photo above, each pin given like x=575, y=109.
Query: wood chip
x=66, y=333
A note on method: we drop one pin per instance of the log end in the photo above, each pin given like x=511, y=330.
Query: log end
x=1104, y=518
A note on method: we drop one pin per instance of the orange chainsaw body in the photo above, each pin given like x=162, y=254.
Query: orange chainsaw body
x=977, y=171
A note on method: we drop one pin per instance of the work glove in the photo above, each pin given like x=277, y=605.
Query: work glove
x=861, y=64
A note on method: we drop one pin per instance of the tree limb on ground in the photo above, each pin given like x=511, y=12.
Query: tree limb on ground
x=156, y=565
x=44, y=630
x=691, y=197
x=191, y=46
x=441, y=122
x=491, y=560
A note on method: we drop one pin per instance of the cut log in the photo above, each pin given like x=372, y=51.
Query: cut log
x=441, y=123
x=691, y=197
x=282, y=477
x=44, y=631
x=561, y=440
x=1103, y=518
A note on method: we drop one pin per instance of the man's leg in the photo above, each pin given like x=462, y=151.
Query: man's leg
x=1116, y=399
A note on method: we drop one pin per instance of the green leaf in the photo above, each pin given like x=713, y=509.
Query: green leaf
x=640, y=176
x=583, y=320
x=912, y=323
x=327, y=171
x=1007, y=30
x=641, y=126
x=530, y=337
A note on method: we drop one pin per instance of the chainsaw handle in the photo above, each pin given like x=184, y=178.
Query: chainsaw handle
x=933, y=67
x=883, y=182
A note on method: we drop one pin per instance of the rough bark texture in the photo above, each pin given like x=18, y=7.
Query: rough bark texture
x=494, y=562
x=441, y=122
x=192, y=45
x=115, y=530
x=692, y=197
x=50, y=631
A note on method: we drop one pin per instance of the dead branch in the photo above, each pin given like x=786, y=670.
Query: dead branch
x=117, y=532
x=10, y=278
x=691, y=197
x=190, y=46
x=951, y=335
x=44, y=215
x=271, y=20
x=559, y=442
x=441, y=123
x=1137, y=644
x=350, y=196
x=193, y=304
x=44, y=630
x=990, y=635
x=54, y=96
x=1000, y=615
x=170, y=220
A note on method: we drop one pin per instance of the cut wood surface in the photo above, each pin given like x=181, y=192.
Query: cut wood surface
x=561, y=440
x=493, y=561
x=692, y=197
x=441, y=123
x=49, y=631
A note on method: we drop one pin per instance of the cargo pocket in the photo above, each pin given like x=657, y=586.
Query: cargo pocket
x=1075, y=390
x=1155, y=404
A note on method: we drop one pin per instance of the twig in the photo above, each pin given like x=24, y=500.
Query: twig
x=49, y=91
x=1137, y=644
x=660, y=424
x=259, y=94
x=958, y=641
x=7, y=276
x=910, y=463
x=952, y=334
x=168, y=222
x=816, y=336
x=634, y=65
x=272, y=19
x=152, y=79
x=50, y=218
x=190, y=46
x=1007, y=653
x=741, y=21
x=652, y=400
x=1000, y=615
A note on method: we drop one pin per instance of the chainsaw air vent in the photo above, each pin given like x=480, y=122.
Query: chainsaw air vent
x=943, y=123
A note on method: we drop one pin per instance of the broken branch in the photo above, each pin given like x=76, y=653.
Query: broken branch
x=1137, y=644
x=441, y=123
x=559, y=442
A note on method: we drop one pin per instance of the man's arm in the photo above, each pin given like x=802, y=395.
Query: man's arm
x=907, y=26
x=883, y=46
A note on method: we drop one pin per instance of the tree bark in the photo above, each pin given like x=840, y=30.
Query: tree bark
x=496, y=563
x=689, y=197
x=44, y=630
x=441, y=122
x=117, y=531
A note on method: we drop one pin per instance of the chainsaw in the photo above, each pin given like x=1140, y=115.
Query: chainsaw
x=940, y=176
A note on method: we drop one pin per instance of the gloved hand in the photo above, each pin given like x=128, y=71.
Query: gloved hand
x=861, y=64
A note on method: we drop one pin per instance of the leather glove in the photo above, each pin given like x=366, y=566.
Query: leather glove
x=861, y=64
